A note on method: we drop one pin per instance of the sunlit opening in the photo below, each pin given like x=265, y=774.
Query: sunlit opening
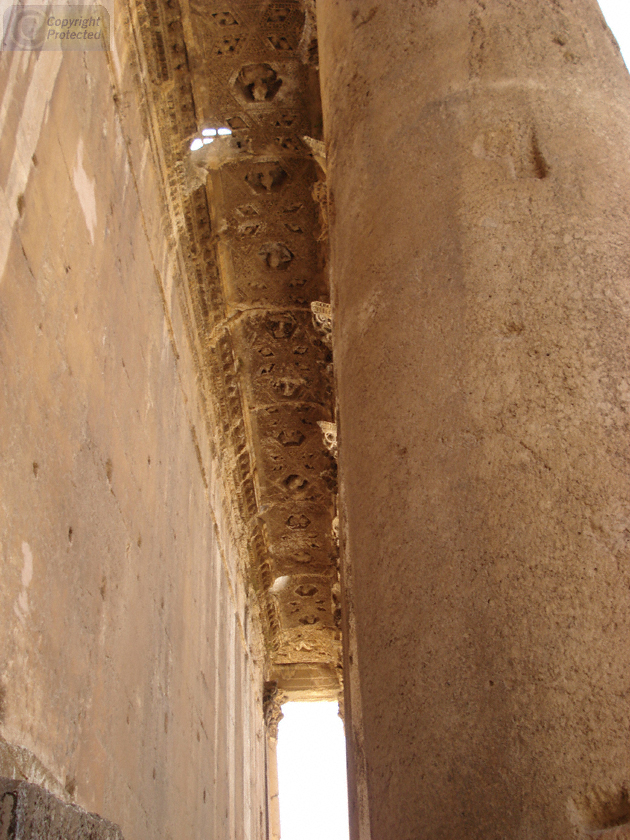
x=312, y=773
x=208, y=136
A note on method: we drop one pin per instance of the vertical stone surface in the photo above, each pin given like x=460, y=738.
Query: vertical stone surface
x=120, y=569
x=273, y=791
x=479, y=177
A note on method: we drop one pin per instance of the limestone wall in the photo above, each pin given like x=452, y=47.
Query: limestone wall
x=129, y=670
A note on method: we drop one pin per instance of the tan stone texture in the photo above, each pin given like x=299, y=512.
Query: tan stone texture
x=479, y=201
x=169, y=521
x=131, y=661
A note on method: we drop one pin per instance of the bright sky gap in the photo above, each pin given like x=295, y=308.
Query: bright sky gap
x=312, y=773
x=617, y=14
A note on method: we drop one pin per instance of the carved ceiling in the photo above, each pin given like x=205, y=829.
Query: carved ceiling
x=249, y=211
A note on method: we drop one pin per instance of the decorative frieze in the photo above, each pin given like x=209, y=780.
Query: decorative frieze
x=247, y=206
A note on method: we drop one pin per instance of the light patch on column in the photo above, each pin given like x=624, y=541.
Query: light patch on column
x=21, y=607
x=86, y=191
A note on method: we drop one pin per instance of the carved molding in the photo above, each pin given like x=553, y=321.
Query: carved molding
x=329, y=431
x=248, y=215
x=272, y=707
x=322, y=318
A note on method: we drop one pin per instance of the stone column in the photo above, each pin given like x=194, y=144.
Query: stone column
x=479, y=198
x=272, y=708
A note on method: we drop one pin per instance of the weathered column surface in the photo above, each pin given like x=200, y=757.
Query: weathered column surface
x=479, y=166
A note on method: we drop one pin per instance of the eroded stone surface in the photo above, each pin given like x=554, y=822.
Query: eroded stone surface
x=482, y=320
x=28, y=812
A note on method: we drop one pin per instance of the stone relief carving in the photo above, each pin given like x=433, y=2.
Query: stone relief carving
x=276, y=256
x=258, y=83
x=335, y=530
x=322, y=318
x=249, y=224
x=266, y=177
x=224, y=19
x=329, y=431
